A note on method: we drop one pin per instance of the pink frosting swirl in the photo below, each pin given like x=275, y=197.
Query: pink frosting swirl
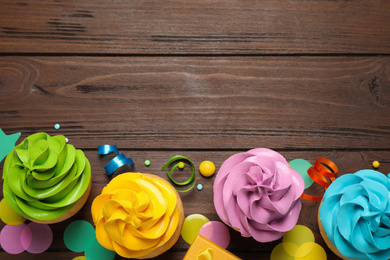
x=257, y=193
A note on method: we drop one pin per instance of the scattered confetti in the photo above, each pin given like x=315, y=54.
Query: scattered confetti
x=301, y=166
x=10, y=239
x=7, y=143
x=40, y=236
x=191, y=226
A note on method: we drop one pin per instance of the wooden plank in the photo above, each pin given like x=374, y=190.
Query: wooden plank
x=200, y=102
x=195, y=27
x=202, y=201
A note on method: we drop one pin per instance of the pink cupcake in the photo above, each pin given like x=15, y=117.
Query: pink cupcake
x=257, y=193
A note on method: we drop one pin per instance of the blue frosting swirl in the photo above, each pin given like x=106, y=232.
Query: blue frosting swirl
x=355, y=214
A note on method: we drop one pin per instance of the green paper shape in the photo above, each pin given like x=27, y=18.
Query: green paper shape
x=301, y=166
x=44, y=177
x=95, y=251
x=77, y=235
x=7, y=143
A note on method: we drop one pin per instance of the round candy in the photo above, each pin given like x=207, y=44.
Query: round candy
x=207, y=168
x=181, y=165
x=147, y=163
x=191, y=226
x=199, y=186
x=41, y=237
x=10, y=239
x=216, y=232
x=8, y=215
x=57, y=126
x=77, y=234
x=375, y=164
x=301, y=166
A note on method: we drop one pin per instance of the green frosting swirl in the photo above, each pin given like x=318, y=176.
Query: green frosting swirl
x=44, y=177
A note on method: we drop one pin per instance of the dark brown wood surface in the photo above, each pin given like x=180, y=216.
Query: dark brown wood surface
x=203, y=79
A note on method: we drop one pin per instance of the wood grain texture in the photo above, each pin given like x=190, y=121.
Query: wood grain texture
x=195, y=27
x=202, y=201
x=201, y=102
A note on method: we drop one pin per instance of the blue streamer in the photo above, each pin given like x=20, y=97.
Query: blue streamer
x=117, y=161
x=106, y=149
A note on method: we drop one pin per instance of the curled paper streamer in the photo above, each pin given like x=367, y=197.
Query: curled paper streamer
x=117, y=162
x=181, y=160
x=355, y=215
x=322, y=168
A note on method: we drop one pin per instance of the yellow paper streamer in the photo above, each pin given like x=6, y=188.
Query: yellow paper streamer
x=135, y=214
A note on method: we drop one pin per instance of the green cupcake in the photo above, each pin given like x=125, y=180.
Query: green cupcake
x=45, y=179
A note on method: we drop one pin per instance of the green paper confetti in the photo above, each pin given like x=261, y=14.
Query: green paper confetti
x=95, y=251
x=77, y=234
x=7, y=143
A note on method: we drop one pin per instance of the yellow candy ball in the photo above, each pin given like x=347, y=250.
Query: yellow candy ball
x=207, y=168
x=181, y=165
x=375, y=164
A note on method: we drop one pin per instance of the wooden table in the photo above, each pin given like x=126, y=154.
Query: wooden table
x=203, y=79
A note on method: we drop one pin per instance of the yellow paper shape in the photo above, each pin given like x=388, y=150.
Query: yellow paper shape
x=191, y=226
x=278, y=253
x=316, y=252
x=295, y=238
x=79, y=258
x=9, y=216
x=200, y=244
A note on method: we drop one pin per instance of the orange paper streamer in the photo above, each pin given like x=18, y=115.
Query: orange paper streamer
x=322, y=168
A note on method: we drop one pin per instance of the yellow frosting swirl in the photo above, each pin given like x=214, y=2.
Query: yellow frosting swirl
x=135, y=214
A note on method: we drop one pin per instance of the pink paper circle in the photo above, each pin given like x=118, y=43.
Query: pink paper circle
x=42, y=237
x=217, y=232
x=10, y=239
x=26, y=237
